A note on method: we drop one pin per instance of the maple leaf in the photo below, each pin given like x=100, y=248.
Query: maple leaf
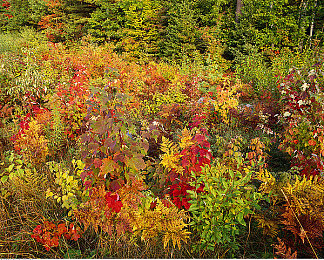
x=312, y=142
x=38, y=230
x=75, y=236
x=61, y=228
x=119, y=157
x=113, y=202
x=116, y=184
x=55, y=241
x=137, y=162
x=108, y=166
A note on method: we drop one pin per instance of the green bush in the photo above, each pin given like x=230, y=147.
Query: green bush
x=252, y=69
x=26, y=37
x=218, y=211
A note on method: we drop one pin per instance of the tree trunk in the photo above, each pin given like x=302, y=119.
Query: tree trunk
x=302, y=9
x=239, y=5
x=312, y=24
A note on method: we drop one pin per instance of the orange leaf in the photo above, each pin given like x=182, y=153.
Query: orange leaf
x=61, y=228
x=312, y=142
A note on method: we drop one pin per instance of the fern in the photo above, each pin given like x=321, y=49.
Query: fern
x=283, y=251
x=267, y=179
x=186, y=139
x=171, y=156
x=269, y=227
x=306, y=196
x=168, y=222
x=33, y=143
x=26, y=182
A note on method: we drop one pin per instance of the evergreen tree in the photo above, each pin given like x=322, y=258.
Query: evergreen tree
x=133, y=25
x=181, y=34
x=274, y=24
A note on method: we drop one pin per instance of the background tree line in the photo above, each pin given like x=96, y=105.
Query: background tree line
x=173, y=29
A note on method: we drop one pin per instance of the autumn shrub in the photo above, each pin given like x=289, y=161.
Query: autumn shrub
x=252, y=69
x=190, y=153
x=49, y=234
x=302, y=98
x=13, y=42
x=218, y=211
x=165, y=221
x=113, y=177
x=106, y=157
x=283, y=61
x=71, y=193
x=263, y=74
x=32, y=143
x=24, y=83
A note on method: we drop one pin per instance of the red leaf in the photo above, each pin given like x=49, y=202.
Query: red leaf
x=75, y=236
x=97, y=163
x=61, y=228
x=116, y=184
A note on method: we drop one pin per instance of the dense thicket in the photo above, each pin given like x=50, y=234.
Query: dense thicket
x=161, y=129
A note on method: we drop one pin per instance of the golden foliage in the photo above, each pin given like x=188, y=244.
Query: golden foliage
x=226, y=99
x=269, y=226
x=171, y=155
x=33, y=143
x=97, y=214
x=91, y=213
x=268, y=181
x=30, y=184
x=168, y=222
x=186, y=139
x=306, y=196
x=131, y=198
x=69, y=185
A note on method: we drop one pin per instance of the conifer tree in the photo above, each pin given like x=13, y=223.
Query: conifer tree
x=133, y=25
x=180, y=34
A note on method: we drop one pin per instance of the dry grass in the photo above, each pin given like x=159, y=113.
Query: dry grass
x=23, y=206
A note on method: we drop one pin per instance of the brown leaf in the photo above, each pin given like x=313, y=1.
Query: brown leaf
x=283, y=251
x=302, y=235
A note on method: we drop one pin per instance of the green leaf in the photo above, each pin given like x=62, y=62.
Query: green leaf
x=4, y=178
x=231, y=173
x=19, y=161
x=193, y=207
x=20, y=171
x=9, y=169
x=240, y=219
